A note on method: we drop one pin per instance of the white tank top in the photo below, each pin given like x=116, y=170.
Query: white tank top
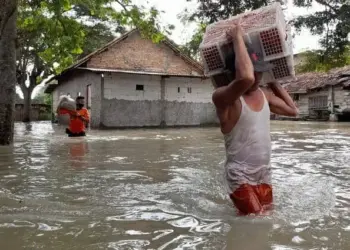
x=248, y=148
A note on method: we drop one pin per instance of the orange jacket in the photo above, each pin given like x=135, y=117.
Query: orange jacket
x=76, y=124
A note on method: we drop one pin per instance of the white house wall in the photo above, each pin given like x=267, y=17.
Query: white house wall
x=124, y=87
x=158, y=104
x=201, y=92
x=192, y=105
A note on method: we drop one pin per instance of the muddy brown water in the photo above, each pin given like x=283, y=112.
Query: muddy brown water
x=163, y=189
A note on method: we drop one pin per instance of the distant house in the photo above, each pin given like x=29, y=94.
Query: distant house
x=322, y=95
x=132, y=82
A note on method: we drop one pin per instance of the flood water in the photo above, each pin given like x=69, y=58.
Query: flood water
x=163, y=189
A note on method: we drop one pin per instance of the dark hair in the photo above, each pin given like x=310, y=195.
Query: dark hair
x=223, y=79
x=80, y=98
x=230, y=58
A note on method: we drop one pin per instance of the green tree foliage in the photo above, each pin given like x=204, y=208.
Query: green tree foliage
x=98, y=35
x=43, y=98
x=333, y=24
x=52, y=34
x=314, y=61
x=191, y=48
x=210, y=11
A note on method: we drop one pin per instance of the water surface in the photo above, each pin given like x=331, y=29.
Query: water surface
x=163, y=189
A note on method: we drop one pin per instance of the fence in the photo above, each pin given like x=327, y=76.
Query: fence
x=39, y=112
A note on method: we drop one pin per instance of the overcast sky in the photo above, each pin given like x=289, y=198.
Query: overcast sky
x=183, y=33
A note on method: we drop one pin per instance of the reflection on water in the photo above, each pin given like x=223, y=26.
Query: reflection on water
x=162, y=189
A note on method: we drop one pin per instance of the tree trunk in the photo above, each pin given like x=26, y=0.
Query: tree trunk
x=27, y=95
x=8, y=34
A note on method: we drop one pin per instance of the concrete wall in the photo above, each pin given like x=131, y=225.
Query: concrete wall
x=125, y=106
x=123, y=87
x=189, y=113
x=126, y=113
x=76, y=83
x=189, y=102
x=188, y=90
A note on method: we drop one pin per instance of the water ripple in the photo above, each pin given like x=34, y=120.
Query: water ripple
x=163, y=189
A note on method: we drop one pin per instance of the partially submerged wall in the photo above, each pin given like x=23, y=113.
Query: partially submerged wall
x=139, y=100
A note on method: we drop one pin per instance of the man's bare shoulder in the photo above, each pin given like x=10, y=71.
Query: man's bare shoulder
x=228, y=115
x=219, y=104
x=216, y=97
x=267, y=92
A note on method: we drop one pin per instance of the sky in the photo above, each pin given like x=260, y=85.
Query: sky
x=183, y=32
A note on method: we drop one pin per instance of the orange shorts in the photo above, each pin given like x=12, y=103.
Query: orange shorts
x=252, y=199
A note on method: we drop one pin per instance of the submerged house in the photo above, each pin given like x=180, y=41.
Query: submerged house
x=324, y=96
x=132, y=82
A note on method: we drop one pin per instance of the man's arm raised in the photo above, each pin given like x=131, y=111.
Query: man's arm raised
x=229, y=94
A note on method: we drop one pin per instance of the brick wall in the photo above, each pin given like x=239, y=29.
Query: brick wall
x=136, y=53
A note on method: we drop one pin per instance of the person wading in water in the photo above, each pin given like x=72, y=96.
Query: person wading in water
x=244, y=113
x=78, y=119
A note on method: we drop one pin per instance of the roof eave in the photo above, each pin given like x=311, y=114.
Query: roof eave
x=297, y=92
x=101, y=70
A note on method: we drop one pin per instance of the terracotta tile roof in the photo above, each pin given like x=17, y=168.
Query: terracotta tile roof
x=166, y=42
x=313, y=80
